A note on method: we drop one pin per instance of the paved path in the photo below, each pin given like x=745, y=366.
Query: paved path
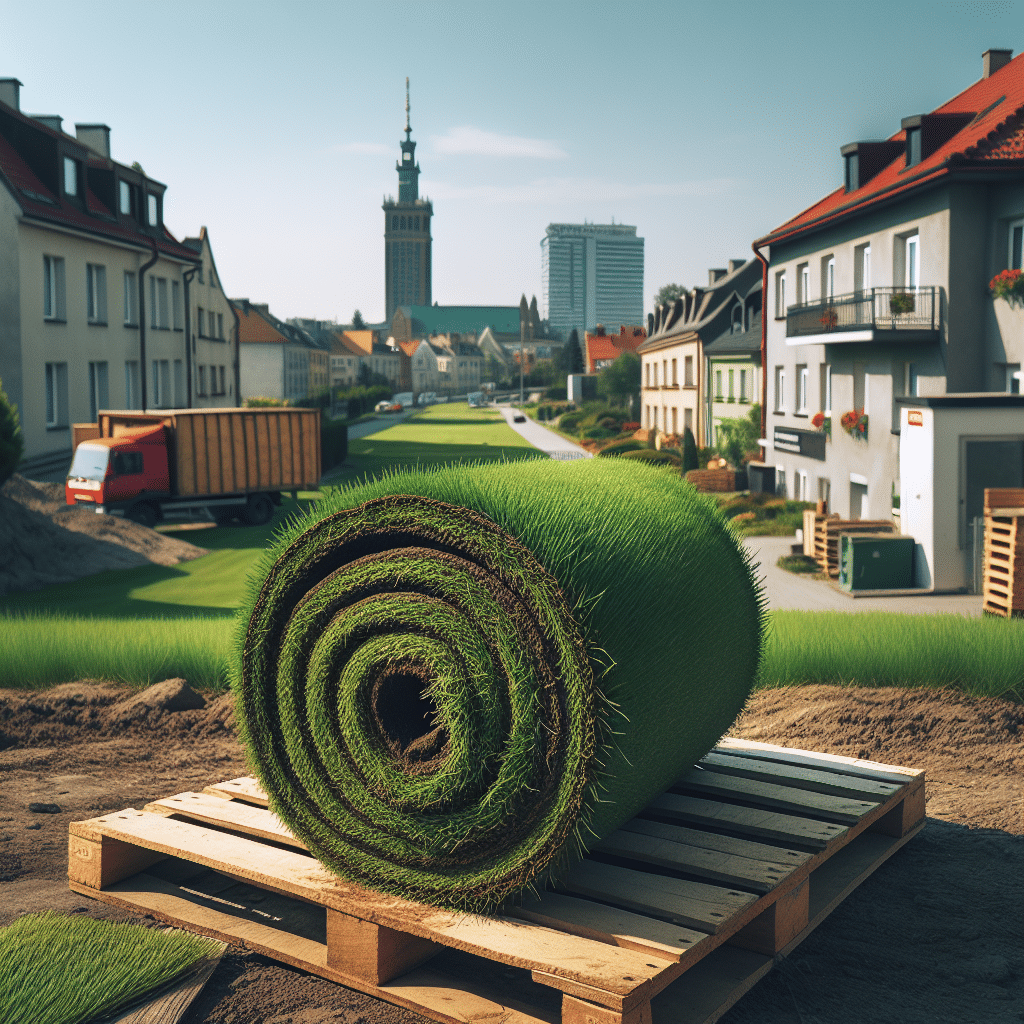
x=540, y=437
x=790, y=590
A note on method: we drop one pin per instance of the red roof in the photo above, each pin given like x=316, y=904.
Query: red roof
x=601, y=347
x=995, y=135
x=39, y=203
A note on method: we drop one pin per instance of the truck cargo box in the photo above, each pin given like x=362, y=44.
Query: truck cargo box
x=232, y=451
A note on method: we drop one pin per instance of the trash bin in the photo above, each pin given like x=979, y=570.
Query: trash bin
x=875, y=562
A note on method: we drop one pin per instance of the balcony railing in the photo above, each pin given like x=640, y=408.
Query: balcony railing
x=880, y=309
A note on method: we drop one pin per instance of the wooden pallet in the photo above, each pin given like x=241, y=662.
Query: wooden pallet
x=827, y=532
x=671, y=919
x=1003, y=565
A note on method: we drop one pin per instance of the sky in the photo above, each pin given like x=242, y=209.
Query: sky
x=278, y=125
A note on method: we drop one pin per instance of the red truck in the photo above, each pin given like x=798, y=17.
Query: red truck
x=233, y=462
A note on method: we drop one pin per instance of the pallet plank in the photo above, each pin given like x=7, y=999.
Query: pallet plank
x=691, y=904
x=619, y=972
x=768, y=794
x=814, y=759
x=745, y=848
x=752, y=821
x=245, y=788
x=241, y=817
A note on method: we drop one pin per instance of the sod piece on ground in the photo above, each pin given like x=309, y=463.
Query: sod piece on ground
x=68, y=970
x=450, y=682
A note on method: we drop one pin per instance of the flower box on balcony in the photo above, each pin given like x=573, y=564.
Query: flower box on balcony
x=1008, y=285
x=901, y=302
x=855, y=423
x=823, y=423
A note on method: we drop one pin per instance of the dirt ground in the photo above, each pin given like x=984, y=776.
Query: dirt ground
x=43, y=540
x=933, y=936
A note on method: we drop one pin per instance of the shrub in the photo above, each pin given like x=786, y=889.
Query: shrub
x=262, y=402
x=598, y=433
x=333, y=443
x=690, y=460
x=571, y=420
x=621, y=447
x=12, y=446
x=662, y=458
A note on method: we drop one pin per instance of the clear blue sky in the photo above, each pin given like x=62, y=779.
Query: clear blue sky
x=277, y=124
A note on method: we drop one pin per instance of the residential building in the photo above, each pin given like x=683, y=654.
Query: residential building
x=357, y=354
x=733, y=365
x=97, y=296
x=275, y=356
x=879, y=302
x=602, y=349
x=592, y=273
x=674, y=371
x=407, y=240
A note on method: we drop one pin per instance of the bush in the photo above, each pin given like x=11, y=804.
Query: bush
x=690, y=459
x=333, y=443
x=262, y=402
x=621, y=447
x=571, y=420
x=361, y=399
x=663, y=458
x=12, y=446
x=599, y=433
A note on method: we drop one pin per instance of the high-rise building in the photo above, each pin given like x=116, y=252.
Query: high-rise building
x=593, y=274
x=407, y=233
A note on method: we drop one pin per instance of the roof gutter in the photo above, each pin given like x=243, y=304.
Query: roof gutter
x=142, y=320
x=764, y=339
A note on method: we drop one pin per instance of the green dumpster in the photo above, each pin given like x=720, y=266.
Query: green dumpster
x=876, y=562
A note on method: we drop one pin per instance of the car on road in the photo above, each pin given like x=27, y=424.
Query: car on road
x=403, y=398
x=384, y=406
x=519, y=418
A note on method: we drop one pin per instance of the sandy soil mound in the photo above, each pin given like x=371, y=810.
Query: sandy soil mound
x=932, y=937
x=44, y=541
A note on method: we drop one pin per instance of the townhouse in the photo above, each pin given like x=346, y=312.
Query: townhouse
x=277, y=359
x=100, y=305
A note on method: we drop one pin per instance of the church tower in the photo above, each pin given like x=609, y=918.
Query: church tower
x=407, y=233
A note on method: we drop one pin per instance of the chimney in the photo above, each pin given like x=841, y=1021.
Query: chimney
x=993, y=60
x=10, y=89
x=95, y=136
x=735, y=265
x=715, y=274
x=51, y=121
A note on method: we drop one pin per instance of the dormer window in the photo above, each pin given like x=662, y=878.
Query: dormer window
x=852, y=172
x=913, y=146
x=152, y=210
x=70, y=176
x=125, y=197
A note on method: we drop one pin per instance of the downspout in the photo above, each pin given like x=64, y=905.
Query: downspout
x=142, y=320
x=187, y=278
x=764, y=347
x=238, y=371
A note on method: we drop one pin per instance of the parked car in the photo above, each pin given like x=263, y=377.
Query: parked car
x=519, y=418
x=427, y=398
x=384, y=406
x=404, y=399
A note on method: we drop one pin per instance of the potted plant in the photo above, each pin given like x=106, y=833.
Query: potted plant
x=823, y=423
x=901, y=302
x=829, y=319
x=1008, y=285
x=855, y=423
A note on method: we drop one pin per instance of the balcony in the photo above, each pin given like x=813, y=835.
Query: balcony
x=876, y=314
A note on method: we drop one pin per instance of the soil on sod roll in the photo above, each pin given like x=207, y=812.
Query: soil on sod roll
x=451, y=682
x=932, y=936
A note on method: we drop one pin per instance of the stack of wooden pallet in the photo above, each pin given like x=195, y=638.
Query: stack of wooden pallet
x=669, y=921
x=1003, y=573
x=827, y=532
x=811, y=519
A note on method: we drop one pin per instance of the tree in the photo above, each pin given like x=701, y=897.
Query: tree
x=620, y=381
x=668, y=293
x=358, y=324
x=738, y=437
x=574, y=354
x=690, y=458
x=12, y=446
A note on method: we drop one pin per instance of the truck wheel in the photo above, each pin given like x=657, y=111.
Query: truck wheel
x=259, y=509
x=144, y=514
x=225, y=514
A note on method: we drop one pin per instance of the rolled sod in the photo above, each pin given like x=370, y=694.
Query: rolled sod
x=451, y=683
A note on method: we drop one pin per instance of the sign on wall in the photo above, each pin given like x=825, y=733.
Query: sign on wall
x=810, y=443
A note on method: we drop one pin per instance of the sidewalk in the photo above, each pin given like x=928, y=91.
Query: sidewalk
x=554, y=445
x=787, y=590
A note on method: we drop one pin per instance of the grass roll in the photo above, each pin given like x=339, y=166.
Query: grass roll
x=452, y=682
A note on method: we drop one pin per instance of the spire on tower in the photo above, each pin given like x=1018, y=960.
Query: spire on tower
x=407, y=126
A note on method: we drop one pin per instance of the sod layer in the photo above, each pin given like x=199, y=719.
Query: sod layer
x=452, y=682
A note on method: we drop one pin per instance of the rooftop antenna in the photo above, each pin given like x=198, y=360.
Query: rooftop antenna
x=408, y=129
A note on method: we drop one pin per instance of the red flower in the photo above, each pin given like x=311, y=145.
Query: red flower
x=818, y=420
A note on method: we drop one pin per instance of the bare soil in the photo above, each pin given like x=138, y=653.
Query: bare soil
x=43, y=540
x=933, y=936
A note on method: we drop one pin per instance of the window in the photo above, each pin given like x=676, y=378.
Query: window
x=824, y=491
x=179, y=384
x=96, y=293
x=800, y=487
x=131, y=384
x=780, y=389
x=199, y=274
x=862, y=268
x=152, y=209
x=125, y=197
x=780, y=295
x=825, y=388
x=53, y=288
x=718, y=385
x=743, y=396
x=780, y=481
x=70, y=176
x=220, y=374
x=913, y=146
x=688, y=420
x=912, y=263
x=220, y=326
x=159, y=313
x=1013, y=378
x=675, y=420
x=664, y=372
x=201, y=321
x=654, y=417
x=828, y=276
x=56, y=395
x=161, y=383
x=213, y=325
x=201, y=380
x=1015, y=257
x=851, y=171
x=176, y=305
x=732, y=394
x=675, y=374
x=803, y=284
x=688, y=371
x=737, y=318
x=131, y=301
x=99, y=395
x=801, y=390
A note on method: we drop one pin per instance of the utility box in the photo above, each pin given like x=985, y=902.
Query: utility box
x=876, y=562
x=760, y=478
